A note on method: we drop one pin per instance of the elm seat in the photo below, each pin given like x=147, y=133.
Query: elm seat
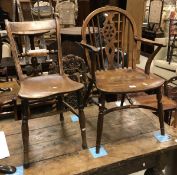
x=126, y=81
x=45, y=86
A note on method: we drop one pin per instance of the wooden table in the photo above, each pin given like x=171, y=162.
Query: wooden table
x=56, y=149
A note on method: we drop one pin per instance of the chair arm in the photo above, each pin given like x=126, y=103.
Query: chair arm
x=149, y=42
x=92, y=48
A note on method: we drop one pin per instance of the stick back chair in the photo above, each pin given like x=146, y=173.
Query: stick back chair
x=111, y=52
x=44, y=86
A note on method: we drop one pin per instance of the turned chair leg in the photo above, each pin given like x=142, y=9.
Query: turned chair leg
x=100, y=122
x=60, y=107
x=82, y=119
x=25, y=131
x=88, y=92
x=160, y=110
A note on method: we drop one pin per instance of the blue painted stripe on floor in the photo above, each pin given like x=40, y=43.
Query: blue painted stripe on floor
x=162, y=138
x=74, y=118
x=102, y=152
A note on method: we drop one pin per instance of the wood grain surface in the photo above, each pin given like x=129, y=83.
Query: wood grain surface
x=127, y=136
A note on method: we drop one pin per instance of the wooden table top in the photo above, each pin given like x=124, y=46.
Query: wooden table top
x=127, y=136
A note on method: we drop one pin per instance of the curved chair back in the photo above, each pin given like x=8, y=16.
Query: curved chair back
x=112, y=31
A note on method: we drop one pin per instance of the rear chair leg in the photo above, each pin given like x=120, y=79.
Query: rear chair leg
x=82, y=119
x=60, y=107
x=88, y=92
x=122, y=99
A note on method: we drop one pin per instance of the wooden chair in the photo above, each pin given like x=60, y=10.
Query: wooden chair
x=44, y=86
x=111, y=53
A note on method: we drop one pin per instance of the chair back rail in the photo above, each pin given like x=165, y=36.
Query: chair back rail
x=33, y=28
x=111, y=30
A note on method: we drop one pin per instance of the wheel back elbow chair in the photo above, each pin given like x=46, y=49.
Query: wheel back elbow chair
x=111, y=53
x=44, y=86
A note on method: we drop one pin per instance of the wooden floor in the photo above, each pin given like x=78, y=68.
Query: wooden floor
x=57, y=149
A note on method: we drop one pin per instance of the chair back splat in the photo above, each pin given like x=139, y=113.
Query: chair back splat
x=111, y=30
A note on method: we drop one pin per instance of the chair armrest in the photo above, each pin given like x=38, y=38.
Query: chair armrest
x=92, y=48
x=149, y=42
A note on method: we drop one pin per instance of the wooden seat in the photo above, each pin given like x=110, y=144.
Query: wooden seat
x=42, y=87
x=126, y=81
x=112, y=52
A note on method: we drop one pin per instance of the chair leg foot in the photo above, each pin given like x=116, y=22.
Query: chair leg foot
x=97, y=149
x=25, y=131
x=160, y=111
x=26, y=165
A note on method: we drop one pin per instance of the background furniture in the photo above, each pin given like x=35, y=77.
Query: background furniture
x=161, y=66
x=41, y=9
x=172, y=46
x=152, y=29
x=43, y=86
x=8, y=99
x=155, y=15
x=67, y=11
x=169, y=100
x=112, y=61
